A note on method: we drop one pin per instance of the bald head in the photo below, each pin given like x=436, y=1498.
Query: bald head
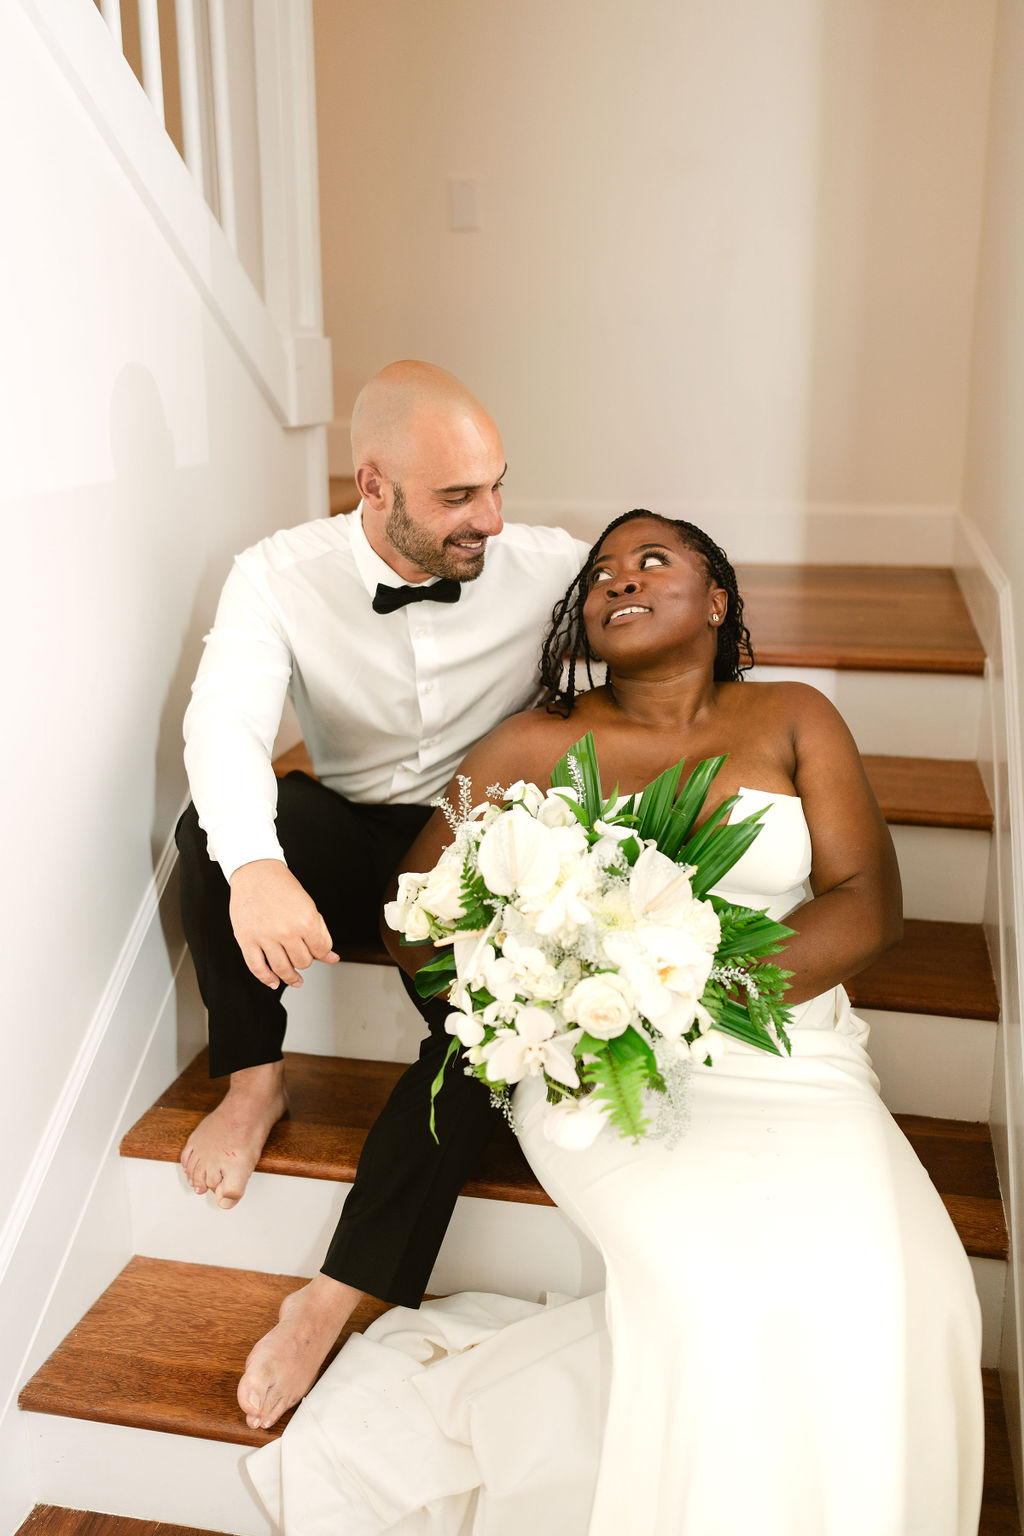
x=428, y=463
x=406, y=409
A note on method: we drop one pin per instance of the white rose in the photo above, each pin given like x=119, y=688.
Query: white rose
x=601, y=1005
x=416, y=926
x=442, y=894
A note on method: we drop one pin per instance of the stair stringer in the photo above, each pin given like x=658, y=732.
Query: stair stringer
x=989, y=597
x=70, y=1229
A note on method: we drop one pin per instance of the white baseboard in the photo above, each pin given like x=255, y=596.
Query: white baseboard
x=70, y=1229
x=778, y=533
x=989, y=598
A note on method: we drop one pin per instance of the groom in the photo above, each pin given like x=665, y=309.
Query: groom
x=403, y=635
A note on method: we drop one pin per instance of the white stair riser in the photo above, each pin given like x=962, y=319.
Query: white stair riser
x=353, y=1010
x=933, y=1066
x=78, y=1464
x=944, y=871
x=284, y=1224
x=186, y=1481
x=900, y=714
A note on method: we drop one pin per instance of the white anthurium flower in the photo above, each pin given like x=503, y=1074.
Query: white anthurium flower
x=575, y=1124
x=466, y=1027
x=659, y=889
x=516, y=854
x=442, y=894
x=556, y=810
x=602, y=1005
x=525, y=794
x=531, y=1048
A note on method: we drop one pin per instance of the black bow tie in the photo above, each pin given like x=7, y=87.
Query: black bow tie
x=389, y=599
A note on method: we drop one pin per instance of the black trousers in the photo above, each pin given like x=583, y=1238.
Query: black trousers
x=343, y=854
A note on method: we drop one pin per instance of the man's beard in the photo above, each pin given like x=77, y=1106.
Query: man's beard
x=442, y=559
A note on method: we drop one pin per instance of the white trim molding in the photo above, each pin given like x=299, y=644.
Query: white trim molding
x=987, y=591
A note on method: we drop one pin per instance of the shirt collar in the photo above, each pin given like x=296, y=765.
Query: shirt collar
x=372, y=569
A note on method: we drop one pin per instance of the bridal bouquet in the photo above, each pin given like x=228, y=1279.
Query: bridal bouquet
x=579, y=941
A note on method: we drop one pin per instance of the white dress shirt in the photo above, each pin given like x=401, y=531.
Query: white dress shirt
x=388, y=703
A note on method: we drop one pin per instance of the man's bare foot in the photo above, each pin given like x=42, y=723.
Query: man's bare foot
x=282, y=1367
x=225, y=1147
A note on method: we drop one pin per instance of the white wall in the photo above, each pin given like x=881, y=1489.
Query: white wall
x=994, y=515
x=728, y=251
x=138, y=456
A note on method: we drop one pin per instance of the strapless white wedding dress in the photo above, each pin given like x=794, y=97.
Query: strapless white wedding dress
x=788, y=1344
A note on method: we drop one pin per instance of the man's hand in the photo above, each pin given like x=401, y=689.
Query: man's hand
x=277, y=926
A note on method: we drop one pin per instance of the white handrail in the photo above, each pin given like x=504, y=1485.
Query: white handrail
x=149, y=46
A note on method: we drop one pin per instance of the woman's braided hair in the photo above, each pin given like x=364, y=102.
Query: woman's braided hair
x=567, y=643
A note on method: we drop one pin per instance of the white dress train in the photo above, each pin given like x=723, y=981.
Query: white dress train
x=789, y=1340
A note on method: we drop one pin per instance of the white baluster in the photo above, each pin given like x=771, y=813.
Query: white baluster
x=110, y=10
x=222, y=122
x=188, y=75
x=149, y=43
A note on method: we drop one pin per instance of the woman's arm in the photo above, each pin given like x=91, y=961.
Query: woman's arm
x=513, y=750
x=856, y=911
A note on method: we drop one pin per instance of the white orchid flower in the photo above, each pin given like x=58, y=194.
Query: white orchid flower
x=556, y=810
x=466, y=1027
x=563, y=914
x=525, y=794
x=532, y=971
x=472, y=951
x=575, y=1124
x=663, y=966
x=531, y=1048
x=516, y=854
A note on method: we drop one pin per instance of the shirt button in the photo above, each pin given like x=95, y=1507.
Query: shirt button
x=426, y=687
x=431, y=741
x=421, y=634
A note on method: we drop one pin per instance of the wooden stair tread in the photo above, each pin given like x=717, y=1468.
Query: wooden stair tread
x=912, y=791
x=861, y=617
x=939, y=968
x=335, y=1101
x=52, y=1520
x=145, y=1356
x=929, y=792
x=164, y=1347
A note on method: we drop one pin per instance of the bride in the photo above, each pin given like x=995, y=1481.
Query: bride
x=792, y=1336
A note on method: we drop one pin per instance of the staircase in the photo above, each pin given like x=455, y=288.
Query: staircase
x=134, y=1413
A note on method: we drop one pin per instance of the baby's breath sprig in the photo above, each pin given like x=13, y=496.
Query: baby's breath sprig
x=736, y=975
x=456, y=818
x=576, y=774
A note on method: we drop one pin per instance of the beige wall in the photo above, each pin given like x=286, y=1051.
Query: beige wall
x=728, y=251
